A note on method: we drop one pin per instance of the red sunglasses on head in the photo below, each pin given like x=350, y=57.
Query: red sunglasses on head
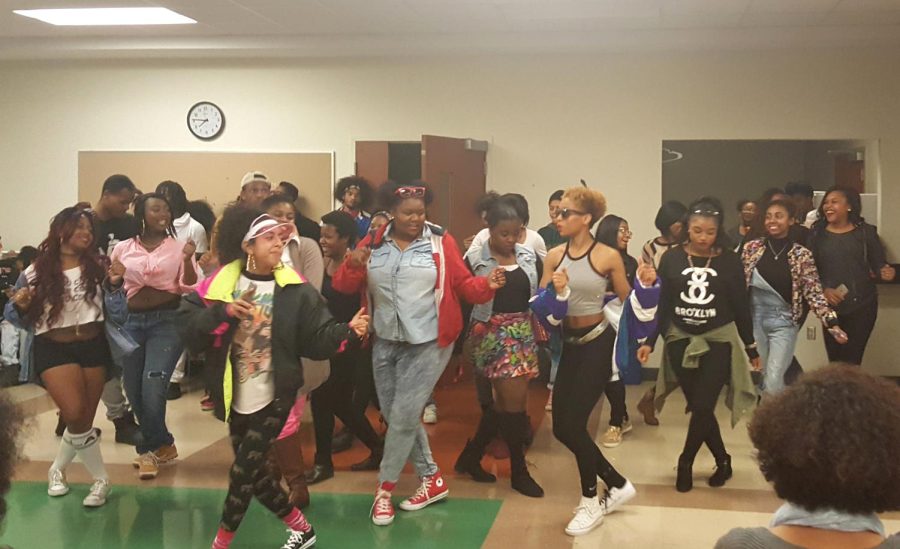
x=410, y=192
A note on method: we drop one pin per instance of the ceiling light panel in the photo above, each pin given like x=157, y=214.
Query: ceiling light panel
x=104, y=17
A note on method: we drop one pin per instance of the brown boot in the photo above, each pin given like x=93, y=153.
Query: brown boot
x=645, y=406
x=288, y=454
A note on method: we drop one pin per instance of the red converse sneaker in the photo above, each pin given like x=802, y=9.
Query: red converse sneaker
x=382, y=509
x=433, y=489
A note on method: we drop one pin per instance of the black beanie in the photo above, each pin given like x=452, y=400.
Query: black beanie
x=670, y=212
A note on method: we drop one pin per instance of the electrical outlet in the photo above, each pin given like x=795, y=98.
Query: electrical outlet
x=811, y=333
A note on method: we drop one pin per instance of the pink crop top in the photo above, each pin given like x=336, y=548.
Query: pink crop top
x=162, y=269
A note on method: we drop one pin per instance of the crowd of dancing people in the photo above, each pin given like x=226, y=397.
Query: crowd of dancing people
x=365, y=309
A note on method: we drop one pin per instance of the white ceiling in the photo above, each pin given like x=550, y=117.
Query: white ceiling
x=327, y=28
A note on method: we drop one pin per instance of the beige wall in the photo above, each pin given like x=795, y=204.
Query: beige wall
x=549, y=120
x=211, y=176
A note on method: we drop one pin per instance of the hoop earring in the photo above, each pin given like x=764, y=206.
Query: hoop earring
x=251, y=263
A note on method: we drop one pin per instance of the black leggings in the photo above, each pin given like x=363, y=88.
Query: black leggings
x=251, y=437
x=615, y=394
x=702, y=386
x=364, y=382
x=584, y=371
x=335, y=398
x=858, y=325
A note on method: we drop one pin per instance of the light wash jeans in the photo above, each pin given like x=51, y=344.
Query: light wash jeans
x=405, y=376
x=774, y=331
x=146, y=373
x=113, y=397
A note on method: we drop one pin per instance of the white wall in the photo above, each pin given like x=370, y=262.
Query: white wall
x=550, y=120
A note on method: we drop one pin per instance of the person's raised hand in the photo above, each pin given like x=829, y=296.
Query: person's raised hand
x=560, y=280
x=359, y=257
x=190, y=248
x=497, y=278
x=116, y=272
x=22, y=298
x=242, y=307
x=360, y=323
x=646, y=273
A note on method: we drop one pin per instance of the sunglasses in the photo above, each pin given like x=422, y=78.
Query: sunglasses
x=410, y=192
x=566, y=212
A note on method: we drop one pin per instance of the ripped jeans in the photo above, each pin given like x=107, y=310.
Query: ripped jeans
x=146, y=373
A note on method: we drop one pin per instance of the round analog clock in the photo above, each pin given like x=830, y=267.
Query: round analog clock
x=206, y=120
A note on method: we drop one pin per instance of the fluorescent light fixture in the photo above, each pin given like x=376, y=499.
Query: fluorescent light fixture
x=107, y=16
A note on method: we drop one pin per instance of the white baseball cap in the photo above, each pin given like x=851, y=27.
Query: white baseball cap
x=253, y=177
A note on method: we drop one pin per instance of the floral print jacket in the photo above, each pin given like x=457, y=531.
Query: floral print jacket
x=805, y=285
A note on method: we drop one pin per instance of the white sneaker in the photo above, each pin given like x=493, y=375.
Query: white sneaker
x=429, y=416
x=588, y=515
x=97, y=496
x=614, y=498
x=626, y=426
x=57, y=483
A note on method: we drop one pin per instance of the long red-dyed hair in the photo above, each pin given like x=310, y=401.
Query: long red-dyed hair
x=49, y=282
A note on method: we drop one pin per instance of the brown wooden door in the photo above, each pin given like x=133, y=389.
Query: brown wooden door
x=456, y=172
x=372, y=159
x=850, y=173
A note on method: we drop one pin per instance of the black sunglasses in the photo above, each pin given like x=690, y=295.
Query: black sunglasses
x=566, y=212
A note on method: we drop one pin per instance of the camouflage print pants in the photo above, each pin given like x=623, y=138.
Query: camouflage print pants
x=251, y=437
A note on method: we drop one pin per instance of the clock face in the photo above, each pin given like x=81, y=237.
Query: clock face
x=206, y=121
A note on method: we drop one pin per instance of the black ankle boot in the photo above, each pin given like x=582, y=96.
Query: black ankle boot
x=514, y=430
x=723, y=472
x=685, y=479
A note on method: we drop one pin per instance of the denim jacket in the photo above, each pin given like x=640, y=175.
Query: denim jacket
x=11, y=314
x=483, y=263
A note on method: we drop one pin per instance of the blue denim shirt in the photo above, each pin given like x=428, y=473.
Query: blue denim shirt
x=402, y=284
x=483, y=263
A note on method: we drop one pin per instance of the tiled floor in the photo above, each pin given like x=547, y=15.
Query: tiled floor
x=180, y=508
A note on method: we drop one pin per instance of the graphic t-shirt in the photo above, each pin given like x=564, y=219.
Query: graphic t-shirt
x=701, y=294
x=251, y=349
x=77, y=308
x=112, y=231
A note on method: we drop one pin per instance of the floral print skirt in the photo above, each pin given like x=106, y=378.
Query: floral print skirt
x=504, y=346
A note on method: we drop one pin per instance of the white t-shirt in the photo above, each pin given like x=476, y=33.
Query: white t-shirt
x=251, y=351
x=77, y=309
x=532, y=240
x=188, y=228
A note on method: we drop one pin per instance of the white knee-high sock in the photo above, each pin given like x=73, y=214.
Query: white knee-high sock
x=87, y=446
x=66, y=453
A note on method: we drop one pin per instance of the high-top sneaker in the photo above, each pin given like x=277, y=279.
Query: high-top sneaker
x=382, y=508
x=298, y=539
x=433, y=489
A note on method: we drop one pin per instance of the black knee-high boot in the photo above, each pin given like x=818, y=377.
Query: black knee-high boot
x=514, y=430
x=469, y=460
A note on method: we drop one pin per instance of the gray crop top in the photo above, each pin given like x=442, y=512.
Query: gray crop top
x=586, y=285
